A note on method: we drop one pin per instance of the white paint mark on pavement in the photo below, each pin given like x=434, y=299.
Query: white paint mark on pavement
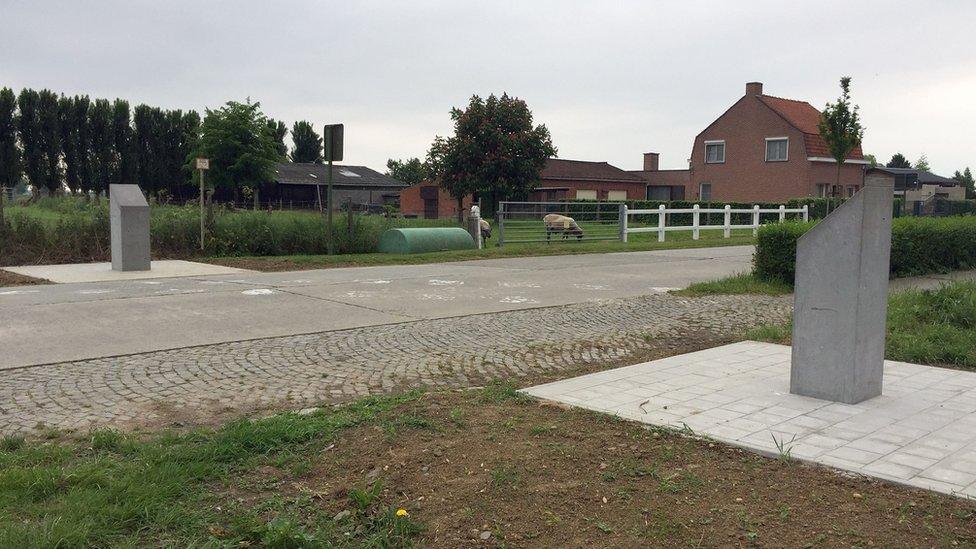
x=18, y=292
x=437, y=297
x=519, y=285
x=373, y=281
x=517, y=299
x=359, y=294
x=591, y=287
x=259, y=291
x=437, y=282
x=95, y=292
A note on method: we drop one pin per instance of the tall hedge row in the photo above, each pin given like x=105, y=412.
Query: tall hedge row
x=919, y=245
x=62, y=230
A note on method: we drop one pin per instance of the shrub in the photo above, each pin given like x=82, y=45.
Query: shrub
x=919, y=245
x=775, y=256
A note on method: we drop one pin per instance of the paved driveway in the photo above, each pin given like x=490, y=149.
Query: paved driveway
x=67, y=322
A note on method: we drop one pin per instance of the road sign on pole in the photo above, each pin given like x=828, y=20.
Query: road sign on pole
x=203, y=164
x=333, y=151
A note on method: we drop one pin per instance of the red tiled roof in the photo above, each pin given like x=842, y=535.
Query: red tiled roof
x=559, y=168
x=804, y=117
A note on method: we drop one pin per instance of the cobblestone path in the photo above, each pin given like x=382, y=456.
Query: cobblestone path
x=303, y=370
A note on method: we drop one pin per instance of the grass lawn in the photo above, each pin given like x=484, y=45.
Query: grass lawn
x=936, y=327
x=678, y=240
x=474, y=467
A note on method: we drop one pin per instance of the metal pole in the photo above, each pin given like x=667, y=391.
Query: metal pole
x=201, y=211
x=328, y=205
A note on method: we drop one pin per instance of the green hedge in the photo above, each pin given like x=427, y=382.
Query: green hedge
x=919, y=245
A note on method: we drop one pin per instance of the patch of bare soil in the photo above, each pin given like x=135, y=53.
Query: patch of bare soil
x=8, y=278
x=480, y=468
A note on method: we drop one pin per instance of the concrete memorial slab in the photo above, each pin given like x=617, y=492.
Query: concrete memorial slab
x=103, y=272
x=921, y=432
x=840, y=299
x=129, y=214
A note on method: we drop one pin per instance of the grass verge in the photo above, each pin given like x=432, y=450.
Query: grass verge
x=302, y=262
x=472, y=467
x=936, y=327
x=742, y=283
x=8, y=278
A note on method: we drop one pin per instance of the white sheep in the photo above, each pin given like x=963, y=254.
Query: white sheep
x=561, y=224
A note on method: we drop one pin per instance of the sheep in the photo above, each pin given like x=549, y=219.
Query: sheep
x=567, y=226
x=485, y=229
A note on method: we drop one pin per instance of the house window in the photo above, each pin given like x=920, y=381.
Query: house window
x=714, y=152
x=852, y=190
x=704, y=191
x=822, y=190
x=585, y=194
x=658, y=192
x=617, y=196
x=777, y=149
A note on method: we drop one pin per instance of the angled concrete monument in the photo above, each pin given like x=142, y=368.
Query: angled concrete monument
x=129, y=214
x=841, y=299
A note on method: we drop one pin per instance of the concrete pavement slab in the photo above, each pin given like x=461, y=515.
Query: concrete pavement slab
x=100, y=272
x=871, y=438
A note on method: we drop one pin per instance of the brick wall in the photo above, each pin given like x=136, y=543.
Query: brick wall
x=412, y=203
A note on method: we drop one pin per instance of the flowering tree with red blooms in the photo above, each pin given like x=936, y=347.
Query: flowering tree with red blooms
x=495, y=152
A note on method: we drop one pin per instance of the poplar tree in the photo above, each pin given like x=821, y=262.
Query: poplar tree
x=10, y=171
x=308, y=144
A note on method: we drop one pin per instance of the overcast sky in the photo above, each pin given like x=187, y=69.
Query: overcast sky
x=611, y=80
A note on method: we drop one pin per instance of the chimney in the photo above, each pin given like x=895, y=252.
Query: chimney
x=650, y=162
x=754, y=88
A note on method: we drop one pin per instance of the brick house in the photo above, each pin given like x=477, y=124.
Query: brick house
x=559, y=180
x=763, y=148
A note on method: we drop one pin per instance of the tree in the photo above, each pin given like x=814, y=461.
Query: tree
x=28, y=126
x=10, y=173
x=966, y=180
x=840, y=126
x=69, y=150
x=922, y=164
x=411, y=171
x=125, y=169
x=102, y=143
x=49, y=140
x=898, y=160
x=241, y=148
x=308, y=144
x=495, y=151
x=81, y=108
x=872, y=160
x=279, y=131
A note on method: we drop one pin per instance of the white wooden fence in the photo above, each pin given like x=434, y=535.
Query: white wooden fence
x=696, y=227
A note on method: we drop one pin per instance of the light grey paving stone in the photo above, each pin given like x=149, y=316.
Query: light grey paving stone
x=922, y=432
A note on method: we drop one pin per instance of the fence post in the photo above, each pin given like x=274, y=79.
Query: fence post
x=623, y=223
x=728, y=221
x=755, y=219
x=782, y=213
x=806, y=212
x=661, y=222
x=695, y=215
x=501, y=224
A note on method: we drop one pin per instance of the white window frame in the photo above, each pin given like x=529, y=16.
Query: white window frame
x=612, y=192
x=715, y=142
x=701, y=186
x=596, y=194
x=787, y=139
x=823, y=190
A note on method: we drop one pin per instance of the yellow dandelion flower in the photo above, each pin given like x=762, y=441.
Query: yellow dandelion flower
x=402, y=513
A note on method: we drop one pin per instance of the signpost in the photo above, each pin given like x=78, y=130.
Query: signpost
x=333, y=151
x=203, y=164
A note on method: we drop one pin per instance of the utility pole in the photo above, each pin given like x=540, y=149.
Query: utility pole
x=203, y=164
x=333, y=151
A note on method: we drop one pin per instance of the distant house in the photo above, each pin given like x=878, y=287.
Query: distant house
x=919, y=185
x=295, y=185
x=559, y=180
x=763, y=148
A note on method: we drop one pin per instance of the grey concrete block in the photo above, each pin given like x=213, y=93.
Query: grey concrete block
x=840, y=299
x=129, y=214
